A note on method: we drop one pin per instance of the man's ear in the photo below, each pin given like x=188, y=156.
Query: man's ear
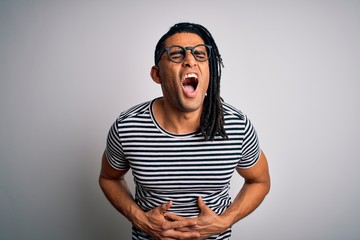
x=155, y=74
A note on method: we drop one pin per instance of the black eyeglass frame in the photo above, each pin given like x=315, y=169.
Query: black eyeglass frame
x=209, y=47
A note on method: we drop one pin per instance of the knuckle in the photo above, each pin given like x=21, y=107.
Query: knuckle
x=164, y=226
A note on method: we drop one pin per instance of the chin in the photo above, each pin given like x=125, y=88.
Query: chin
x=192, y=105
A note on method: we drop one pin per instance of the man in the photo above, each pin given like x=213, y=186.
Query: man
x=183, y=148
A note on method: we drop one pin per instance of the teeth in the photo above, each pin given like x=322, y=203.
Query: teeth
x=191, y=75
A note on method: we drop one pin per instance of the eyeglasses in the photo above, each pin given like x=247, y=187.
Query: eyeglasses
x=177, y=54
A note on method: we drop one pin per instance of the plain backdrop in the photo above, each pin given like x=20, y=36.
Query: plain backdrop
x=68, y=68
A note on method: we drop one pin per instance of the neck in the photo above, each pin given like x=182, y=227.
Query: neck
x=176, y=121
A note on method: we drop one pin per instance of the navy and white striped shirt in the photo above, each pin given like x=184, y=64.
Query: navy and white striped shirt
x=182, y=167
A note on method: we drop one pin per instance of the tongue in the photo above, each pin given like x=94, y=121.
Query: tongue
x=189, y=88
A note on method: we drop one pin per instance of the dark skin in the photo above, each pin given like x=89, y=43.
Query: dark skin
x=165, y=226
x=255, y=188
x=153, y=222
x=179, y=112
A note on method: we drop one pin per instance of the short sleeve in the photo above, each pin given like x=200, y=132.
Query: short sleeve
x=250, y=147
x=114, y=151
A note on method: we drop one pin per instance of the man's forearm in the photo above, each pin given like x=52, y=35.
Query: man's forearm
x=152, y=222
x=119, y=195
x=246, y=201
x=253, y=192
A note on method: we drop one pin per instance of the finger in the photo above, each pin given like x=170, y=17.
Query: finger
x=165, y=206
x=178, y=226
x=186, y=229
x=182, y=224
x=201, y=203
x=173, y=234
x=174, y=217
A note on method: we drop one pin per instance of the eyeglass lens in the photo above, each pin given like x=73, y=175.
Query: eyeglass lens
x=177, y=54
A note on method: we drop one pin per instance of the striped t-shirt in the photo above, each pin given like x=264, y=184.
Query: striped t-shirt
x=180, y=168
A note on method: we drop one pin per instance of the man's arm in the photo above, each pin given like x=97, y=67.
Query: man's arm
x=254, y=190
x=153, y=222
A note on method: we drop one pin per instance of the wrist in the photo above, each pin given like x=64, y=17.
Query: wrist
x=138, y=218
x=227, y=220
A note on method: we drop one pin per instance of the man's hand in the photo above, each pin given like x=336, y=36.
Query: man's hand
x=208, y=222
x=160, y=227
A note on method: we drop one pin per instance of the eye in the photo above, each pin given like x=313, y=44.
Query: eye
x=200, y=55
x=176, y=53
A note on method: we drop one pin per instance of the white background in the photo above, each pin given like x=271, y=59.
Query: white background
x=68, y=68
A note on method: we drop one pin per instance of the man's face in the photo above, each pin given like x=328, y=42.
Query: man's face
x=185, y=84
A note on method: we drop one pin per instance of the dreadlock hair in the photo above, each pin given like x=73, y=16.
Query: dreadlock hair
x=212, y=117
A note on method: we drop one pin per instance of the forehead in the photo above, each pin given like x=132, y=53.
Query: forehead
x=184, y=39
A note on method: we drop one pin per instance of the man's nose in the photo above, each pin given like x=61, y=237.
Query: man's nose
x=189, y=60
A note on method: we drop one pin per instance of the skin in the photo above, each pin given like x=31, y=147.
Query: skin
x=176, y=111
x=179, y=113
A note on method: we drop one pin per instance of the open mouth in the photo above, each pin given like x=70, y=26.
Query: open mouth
x=190, y=83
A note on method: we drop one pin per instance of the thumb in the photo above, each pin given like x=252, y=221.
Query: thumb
x=201, y=204
x=165, y=206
